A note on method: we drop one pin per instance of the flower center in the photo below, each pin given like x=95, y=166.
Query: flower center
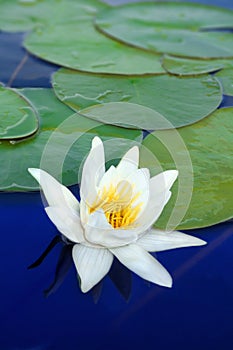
x=118, y=204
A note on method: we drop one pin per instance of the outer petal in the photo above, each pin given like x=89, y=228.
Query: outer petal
x=93, y=170
x=143, y=264
x=66, y=222
x=152, y=211
x=92, y=264
x=162, y=182
x=55, y=193
x=156, y=240
x=129, y=163
x=159, y=196
x=99, y=231
x=96, y=141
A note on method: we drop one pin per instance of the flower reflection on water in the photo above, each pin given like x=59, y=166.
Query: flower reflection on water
x=119, y=274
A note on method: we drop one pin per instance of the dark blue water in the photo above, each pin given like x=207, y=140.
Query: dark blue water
x=197, y=313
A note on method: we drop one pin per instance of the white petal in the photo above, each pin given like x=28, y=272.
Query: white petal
x=99, y=220
x=156, y=240
x=99, y=231
x=129, y=163
x=93, y=170
x=96, y=141
x=125, y=190
x=92, y=265
x=139, y=179
x=108, y=179
x=162, y=182
x=84, y=212
x=143, y=264
x=152, y=211
x=66, y=222
x=140, y=184
x=159, y=186
x=55, y=193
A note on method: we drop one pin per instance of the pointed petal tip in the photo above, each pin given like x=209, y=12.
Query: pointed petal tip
x=96, y=141
x=169, y=285
x=134, y=149
x=85, y=288
x=200, y=242
x=157, y=240
x=132, y=154
x=35, y=172
x=167, y=282
x=193, y=241
x=129, y=162
x=173, y=174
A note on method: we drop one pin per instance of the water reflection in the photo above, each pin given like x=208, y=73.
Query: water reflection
x=120, y=276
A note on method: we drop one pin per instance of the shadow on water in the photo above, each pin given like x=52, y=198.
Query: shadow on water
x=119, y=274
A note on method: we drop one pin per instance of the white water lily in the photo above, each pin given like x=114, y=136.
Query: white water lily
x=114, y=217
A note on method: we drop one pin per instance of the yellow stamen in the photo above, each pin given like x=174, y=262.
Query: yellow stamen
x=117, y=203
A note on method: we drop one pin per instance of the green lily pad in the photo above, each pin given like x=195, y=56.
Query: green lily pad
x=172, y=14
x=209, y=145
x=17, y=118
x=187, y=66
x=170, y=28
x=60, y=146
x=180, y=101
x=127, y=115
x=78, y=45
x=225, y=77
x=24, y=15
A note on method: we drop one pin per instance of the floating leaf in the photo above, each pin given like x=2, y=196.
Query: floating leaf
x=60, y=146
x=180, y=101
x=174, y=15
x=209, y=144
x=78, y=45
x=23, y=15
x=17, y=118
x=225, y=77
x=170, y=28
x=185, y=66
x=127, y=115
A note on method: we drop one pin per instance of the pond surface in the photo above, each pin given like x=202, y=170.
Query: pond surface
x=197, y=313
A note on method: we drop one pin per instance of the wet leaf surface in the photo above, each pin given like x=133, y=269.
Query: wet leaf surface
x=179, y=101
x=18, y=119
x=170, y=28
x=209, y=145
x=184, y=66
x=24, y=15
x=225, y=77
x=78, y=45
x=60, y=146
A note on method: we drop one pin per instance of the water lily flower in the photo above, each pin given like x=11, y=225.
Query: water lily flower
x=114, y=217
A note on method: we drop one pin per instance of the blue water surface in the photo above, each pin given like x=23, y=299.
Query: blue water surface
x=197, y=313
